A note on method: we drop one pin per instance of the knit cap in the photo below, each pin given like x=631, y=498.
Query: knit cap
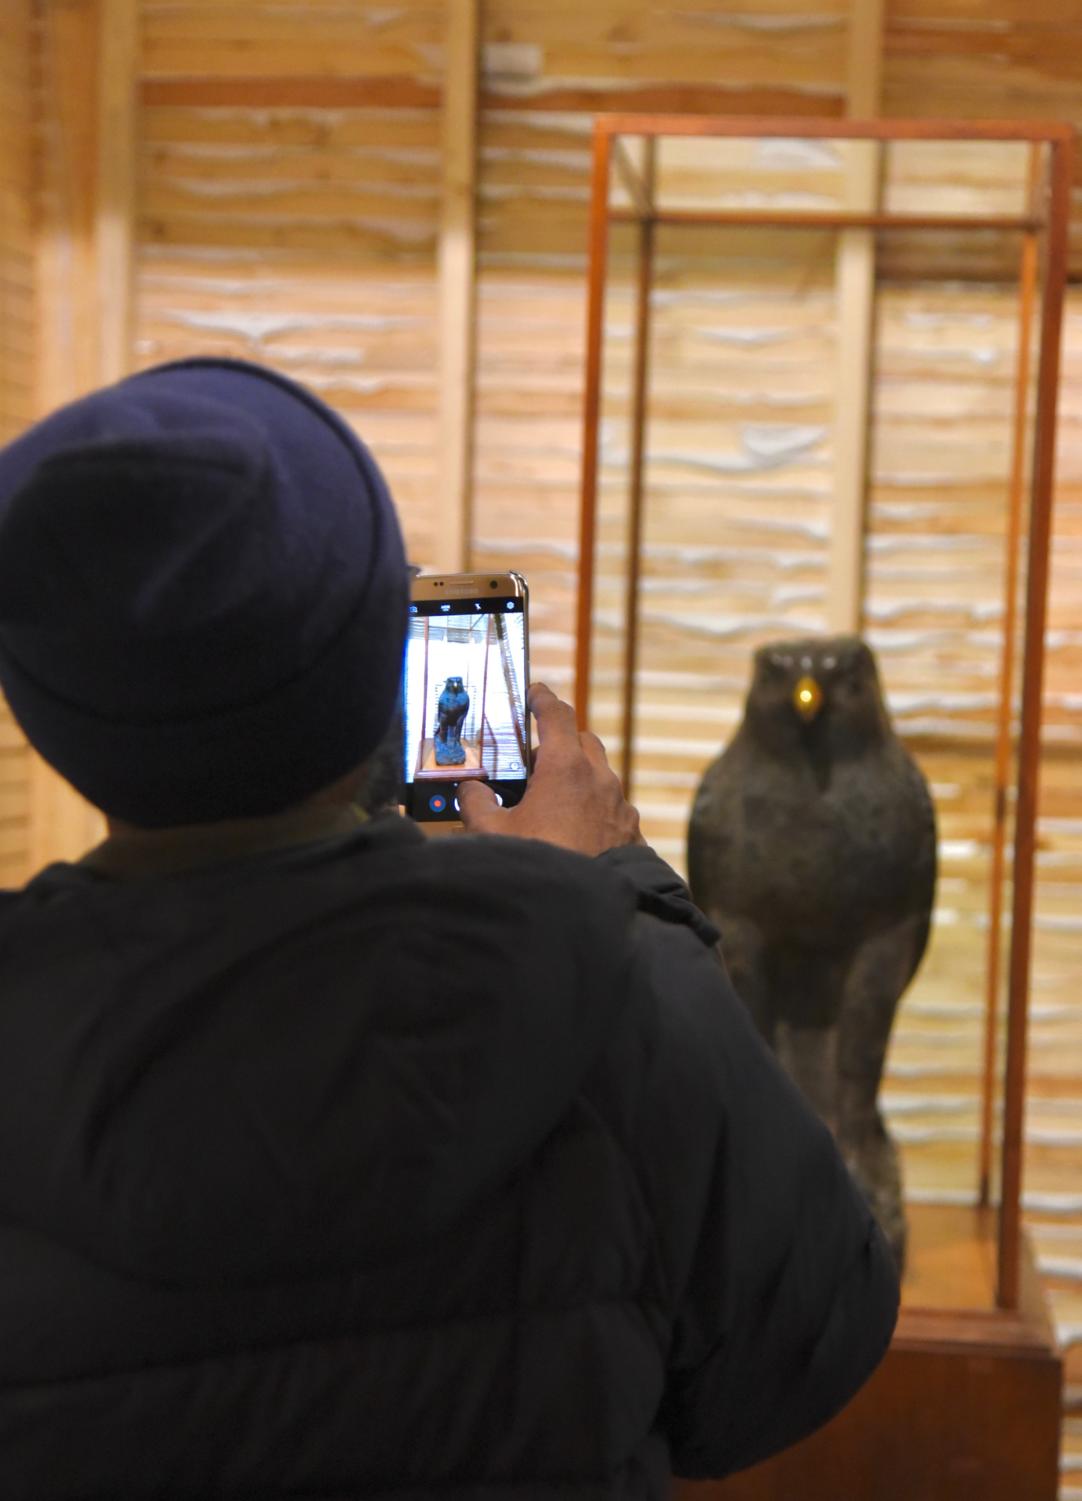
x=203, y=594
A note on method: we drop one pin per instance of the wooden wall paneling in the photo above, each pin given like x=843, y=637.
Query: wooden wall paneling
x=207, y=40
x=18, y=163
x=968, y=178
x=88, y=70
x=296, y=219
x=533, y=185
x=68, y=342
x=457, y=285
x=118, y=72
x=855, y=283
x=624, y=54
x=1000, y=59
x=547, y=69
x=17, y=176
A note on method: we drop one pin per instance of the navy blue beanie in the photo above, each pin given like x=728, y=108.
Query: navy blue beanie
x=203, y=594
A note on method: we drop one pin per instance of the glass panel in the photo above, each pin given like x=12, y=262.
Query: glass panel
x=747, y=340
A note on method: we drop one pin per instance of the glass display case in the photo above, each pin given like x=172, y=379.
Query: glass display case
x=822, y=369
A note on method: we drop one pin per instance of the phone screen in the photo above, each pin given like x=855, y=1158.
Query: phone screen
x=464, y=702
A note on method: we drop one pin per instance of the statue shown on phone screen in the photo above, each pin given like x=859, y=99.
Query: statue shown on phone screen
x=454, y=703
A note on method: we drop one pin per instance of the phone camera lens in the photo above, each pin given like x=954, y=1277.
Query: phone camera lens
x=493, y=583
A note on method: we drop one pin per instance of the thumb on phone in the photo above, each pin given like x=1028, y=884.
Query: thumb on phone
x=478, y=805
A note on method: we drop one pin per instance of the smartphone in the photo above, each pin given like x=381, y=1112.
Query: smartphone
x=464, y=685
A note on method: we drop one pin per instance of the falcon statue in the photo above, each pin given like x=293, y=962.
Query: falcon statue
x=812, y=845
x=451, y=710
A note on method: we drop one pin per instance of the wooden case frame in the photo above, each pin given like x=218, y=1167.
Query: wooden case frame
x=1044, y=236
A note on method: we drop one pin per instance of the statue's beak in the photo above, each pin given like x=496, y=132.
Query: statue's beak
x=807, y=699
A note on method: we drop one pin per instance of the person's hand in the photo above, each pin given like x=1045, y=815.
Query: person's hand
x=573, y=799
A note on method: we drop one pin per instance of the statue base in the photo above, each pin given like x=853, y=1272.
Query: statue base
x=429, y=769
x=449, y=755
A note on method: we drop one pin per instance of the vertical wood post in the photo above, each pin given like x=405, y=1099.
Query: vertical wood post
x=453, y=527
x=855, y=293
x=1027, y=291
x=118, y=79
x=90, y=67
x=67, y=323
x=591, y=434
x=1061, y=174
x=639, y=393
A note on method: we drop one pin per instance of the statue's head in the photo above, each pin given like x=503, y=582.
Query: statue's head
x=827, y=686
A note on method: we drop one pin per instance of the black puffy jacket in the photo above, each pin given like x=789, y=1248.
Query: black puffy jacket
x=391, y=1167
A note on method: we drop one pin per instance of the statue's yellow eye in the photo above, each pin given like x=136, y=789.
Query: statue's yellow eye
x=807, y=698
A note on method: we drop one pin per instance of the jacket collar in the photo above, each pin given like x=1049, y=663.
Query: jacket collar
x=163, y=852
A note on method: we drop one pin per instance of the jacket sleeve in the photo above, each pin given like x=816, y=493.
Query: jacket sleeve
x=782, y=1290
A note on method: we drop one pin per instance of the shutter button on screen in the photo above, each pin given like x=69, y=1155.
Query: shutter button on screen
x=496, y=795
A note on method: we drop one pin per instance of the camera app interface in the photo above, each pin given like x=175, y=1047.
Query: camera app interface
x=465, y=700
